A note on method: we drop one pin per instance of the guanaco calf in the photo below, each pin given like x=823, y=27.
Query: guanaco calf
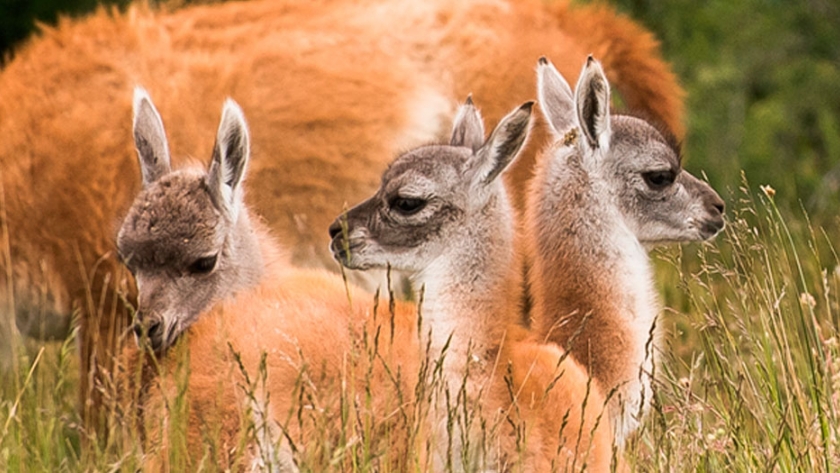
x=442, y=216
x=208, y=273
x=610, y=186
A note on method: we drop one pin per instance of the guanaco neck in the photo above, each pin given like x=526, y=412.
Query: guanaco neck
x=471, y=291
x=252, y=256
x=589, y=276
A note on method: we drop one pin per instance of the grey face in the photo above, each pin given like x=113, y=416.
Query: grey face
x=659, y=200
x=421, y=200
x=186, y=237
x=431, y=198
x=635, y=166
x=173, y=242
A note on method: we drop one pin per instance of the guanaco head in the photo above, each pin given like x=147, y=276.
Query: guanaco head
x=187, y=238
x=638, y=166
x=429, y=195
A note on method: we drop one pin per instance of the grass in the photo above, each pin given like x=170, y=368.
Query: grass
x=749, y=378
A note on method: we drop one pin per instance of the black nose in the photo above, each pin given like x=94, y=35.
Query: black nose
x=718, y=204
x=151, y=329
x=335, y=229
x=138, y=330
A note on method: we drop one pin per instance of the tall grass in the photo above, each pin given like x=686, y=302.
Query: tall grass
x=748, y=380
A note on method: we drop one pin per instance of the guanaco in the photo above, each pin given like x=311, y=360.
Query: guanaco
x=442, y=216
x=211, y=275
x=609, y=187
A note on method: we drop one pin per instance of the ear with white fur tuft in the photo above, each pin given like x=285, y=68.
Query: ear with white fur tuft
x=503, y=145
x=230, y=158
x=468, y=128
x=555, y=98
x=149, y=138
x=593, y=105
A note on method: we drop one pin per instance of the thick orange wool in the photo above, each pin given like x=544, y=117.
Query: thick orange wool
x=332, y=91
x=318, y=347
x=311, y=337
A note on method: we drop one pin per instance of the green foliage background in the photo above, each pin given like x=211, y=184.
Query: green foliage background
x=763, y=83
x=18, y=17
x=762, y=76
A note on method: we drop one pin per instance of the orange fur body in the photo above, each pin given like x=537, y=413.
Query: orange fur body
x=542, y=413
x=311, y=338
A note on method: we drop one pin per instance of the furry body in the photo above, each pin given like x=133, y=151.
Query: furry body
x=325, y=84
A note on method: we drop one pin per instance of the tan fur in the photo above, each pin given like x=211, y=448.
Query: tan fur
x=602, y=194
x=441, y=215
x=566, y=427
x=322, y=82
x=553, y=416
x=302, y=321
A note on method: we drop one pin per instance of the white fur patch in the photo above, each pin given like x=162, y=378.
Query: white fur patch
x=635, y=283
x=429, y=114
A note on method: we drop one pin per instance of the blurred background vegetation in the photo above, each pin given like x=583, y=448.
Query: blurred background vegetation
x=762, y=76
x=18, y=17
x=763, y=83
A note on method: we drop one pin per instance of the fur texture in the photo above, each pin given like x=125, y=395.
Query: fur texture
x=607, y=188
x=208, y=274
x=334, y=90
x=442, y=216
x=318, y=369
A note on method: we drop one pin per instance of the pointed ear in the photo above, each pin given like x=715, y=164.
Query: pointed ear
x=555, y=97
x=593, y=105
x=149, y=138
x=504, y=144
x=230, y=158
x=468, y=128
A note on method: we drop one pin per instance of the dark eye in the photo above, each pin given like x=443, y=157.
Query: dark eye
x=203, y=265
x=407, y=206
x=658, y=180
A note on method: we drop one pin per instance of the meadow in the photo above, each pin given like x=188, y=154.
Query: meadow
x=749, y=379
x=750, y=376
